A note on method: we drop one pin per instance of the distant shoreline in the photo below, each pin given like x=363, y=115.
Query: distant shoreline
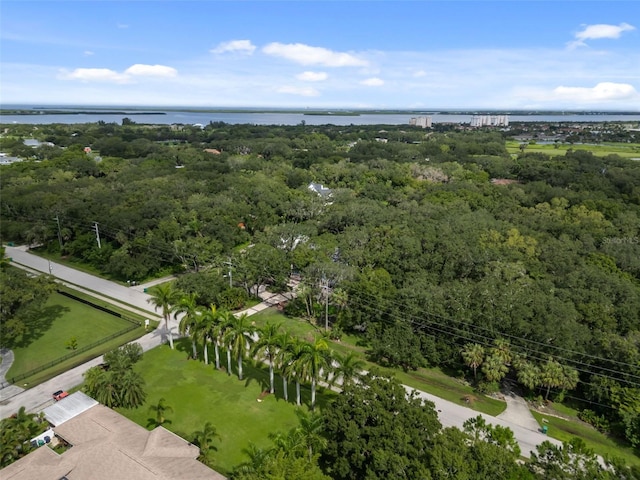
x=43, y=111
x=124, y=110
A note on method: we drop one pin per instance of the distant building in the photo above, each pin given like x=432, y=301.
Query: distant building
x=424, y=122
x=320, y=189
x=490, y=121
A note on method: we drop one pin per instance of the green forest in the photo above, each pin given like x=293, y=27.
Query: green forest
x=425, y=244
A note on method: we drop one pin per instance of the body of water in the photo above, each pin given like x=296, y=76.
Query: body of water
x=286, y=118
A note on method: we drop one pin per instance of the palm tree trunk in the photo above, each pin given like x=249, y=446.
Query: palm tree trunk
x=166, y=325
x=284, y=386
x=228, y=361
x=216, y=350
x=298, y=393
x=206, y=353
x=240, y=367
x=193, y=348
x=271, y=379
x=313, y=393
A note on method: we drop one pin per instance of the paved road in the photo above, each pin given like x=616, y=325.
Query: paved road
x=124, y=294
x=38, y=397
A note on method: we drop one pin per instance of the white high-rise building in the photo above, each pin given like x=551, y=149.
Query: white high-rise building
x=424, y=122
x=490, y=121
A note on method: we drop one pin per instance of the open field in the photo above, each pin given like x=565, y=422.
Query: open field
x=564, y=430
x=198, y=393
x=61, y=319
x=624, y=150
x=430, y=380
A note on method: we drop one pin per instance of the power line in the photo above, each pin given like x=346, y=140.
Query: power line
x=526, y=340
x=488, y=342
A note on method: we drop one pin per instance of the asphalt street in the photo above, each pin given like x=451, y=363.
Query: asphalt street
x=38, y=397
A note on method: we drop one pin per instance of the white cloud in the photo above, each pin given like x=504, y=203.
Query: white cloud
x=140, y=69
x=302, y=91
x=602, y=92
x=240, y=46
x=420, y=73
x=95, y=75
x=372, y=82
x=88, y=53
x=595, y=32
x=308, y=55
x=312, y=76
x=122, y=26
x=111, y=76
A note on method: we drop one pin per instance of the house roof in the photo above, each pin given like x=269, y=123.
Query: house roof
x=107, y=445
x=320, y=189
x=67, y=408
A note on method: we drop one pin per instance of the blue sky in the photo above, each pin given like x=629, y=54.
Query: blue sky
x=418, y=54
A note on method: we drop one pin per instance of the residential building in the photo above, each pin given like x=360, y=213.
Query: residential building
x=424, y=122
x=101, y=444
x=490, y=121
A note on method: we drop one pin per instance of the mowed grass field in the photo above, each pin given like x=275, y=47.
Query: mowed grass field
x=624, y=150
x=199, y=393
x=564, y=430
x=61, y=319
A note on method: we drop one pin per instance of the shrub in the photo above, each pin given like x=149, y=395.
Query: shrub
x=597, y=421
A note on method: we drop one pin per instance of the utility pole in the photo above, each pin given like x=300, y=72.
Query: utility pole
x=325, y=289
x=230, y=272
x=57, y=219
x=95, y=227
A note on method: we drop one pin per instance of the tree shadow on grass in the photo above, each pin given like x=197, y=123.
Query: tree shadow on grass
x=153, y=423
x=259, y=374
x=37, y=323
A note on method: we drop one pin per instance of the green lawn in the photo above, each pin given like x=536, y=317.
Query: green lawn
x=430, y=380
x=60, y=319
x=601, y=444
x=198, y=393
x=625, y=150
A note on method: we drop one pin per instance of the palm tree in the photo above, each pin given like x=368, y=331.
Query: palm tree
x=227, y=318
x=348, y=368
x=313, y=360
x=131, y=385
x=267, y=347
x=473, y=355
x=494, y=368
x=257, y=457
x=162, y=297
x=106, y=390
x=310, y=431
x=340, y=299
x=213, y=328
x=283, y=359
x=239, y=338
x=292, y=368
x=550, y=375
x=502, y=349
x=206, y=331
x=204, y=440
x=528, y=374
x=92, y=379
x=160, y=409
x=188, y=308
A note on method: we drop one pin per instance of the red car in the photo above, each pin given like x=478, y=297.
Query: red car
x=60, y=394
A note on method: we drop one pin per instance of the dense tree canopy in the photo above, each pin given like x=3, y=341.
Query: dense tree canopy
x=434, y=240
